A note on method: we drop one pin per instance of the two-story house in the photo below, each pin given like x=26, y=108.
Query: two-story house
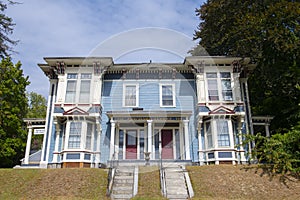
x=100, y=112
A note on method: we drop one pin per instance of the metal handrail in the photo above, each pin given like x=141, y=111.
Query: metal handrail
x=110, y=180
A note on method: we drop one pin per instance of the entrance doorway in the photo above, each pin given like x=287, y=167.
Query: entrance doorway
x=131, y=144
x=167, y=144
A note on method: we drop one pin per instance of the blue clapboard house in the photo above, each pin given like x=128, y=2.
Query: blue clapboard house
x=101, y=112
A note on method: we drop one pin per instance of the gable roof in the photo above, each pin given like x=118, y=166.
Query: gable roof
x=221, y=110
x=75, y=111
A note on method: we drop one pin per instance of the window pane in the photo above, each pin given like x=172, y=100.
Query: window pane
x=223, y=133
x=167, y=95
x=209, y=135
x=74, y=135
x=121, y=142
x=86, y=76
x=130, y=95
x=213, y=90
x=226, y=89
x=71, y=91
x=88, y=143
x=142, y=144
x=225, y=75
x=211, y=75
x=84, y=96
x=131, y=138
x=72, y=76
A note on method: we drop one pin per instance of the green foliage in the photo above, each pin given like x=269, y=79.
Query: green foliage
x=269, y=33
x=6, y=28
x=37, y=105
x=280, y=152
x=13, y=108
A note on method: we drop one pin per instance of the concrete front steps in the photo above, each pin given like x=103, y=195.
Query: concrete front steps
x=125, y=183
x=177, y=183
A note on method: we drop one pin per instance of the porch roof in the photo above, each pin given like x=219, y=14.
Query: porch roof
x=140, y=115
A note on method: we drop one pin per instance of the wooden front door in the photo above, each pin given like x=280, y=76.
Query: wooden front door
x=167, y=144
x=131, y=144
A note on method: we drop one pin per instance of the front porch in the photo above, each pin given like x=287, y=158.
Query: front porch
x=137, y=138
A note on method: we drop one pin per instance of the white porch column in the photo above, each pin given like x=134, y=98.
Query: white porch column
x=112, y=139
x=186, y=139
x=55, y=155
x=242, y=151
x=201, y=156
x=149, y=137
x=267, y=130
x=97, y=159
x=28, y=145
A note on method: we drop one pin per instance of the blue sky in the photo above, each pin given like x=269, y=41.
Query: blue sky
x=75, y=27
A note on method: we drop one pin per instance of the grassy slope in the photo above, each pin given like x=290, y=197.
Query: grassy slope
x=209, y=182
x=240, y=182
x=53, y=184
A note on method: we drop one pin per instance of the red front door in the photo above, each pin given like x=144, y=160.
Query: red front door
x=131, y=145
x=167, y=144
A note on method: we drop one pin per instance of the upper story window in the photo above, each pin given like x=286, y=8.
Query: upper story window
x=226, y=86
x=219, y=86
x=167, y=95
x=83, y=82
x=212, y=82
x=130, y=95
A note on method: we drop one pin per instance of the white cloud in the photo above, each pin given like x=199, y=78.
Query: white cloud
x=75, y=27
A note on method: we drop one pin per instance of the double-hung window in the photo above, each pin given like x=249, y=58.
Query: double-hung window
x=74, y=135
x=219, y=86
x=223, y=133
x=226, y=86
x=78, y=88
x=71, y=87
x=167, y=95
x=212, y=82
x=85, y=85
x=130, y=95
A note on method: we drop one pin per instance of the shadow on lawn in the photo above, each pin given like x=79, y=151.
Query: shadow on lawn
x=268, y=170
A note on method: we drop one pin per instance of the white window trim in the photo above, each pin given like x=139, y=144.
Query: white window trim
x=173, y=95
x=136, y=94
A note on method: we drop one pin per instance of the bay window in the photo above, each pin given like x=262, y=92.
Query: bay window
x=223, y=133
x=80, y=135
x=74, y=135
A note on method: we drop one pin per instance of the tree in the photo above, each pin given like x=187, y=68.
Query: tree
x=6, y=28
x=269, y=33
x=37, y=106
x=13, y=108
x=280, y=153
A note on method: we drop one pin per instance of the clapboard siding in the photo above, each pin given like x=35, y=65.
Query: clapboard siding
x=149, y=100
